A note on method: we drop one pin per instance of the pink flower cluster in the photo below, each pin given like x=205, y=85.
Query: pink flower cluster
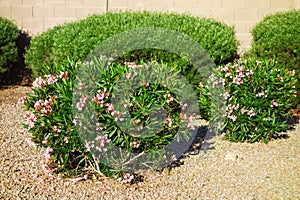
x=230, y=108
x=31, y=120
x=39, y=83
x=188, y=120
x=127, y=178
x=116, y=114
x=101, y=96
x=169, y=121
x=292, y=72
x=170, y=98
x=135, y=144
x=226, y=95
x=240, y=71
x=56, y=129
x=102, y=140
x=22, y=101
x=261, y=94
x=132, y=65
x=51, y=79
x=48, y=153
x=273, y=103
x=82, y=101
x=251, y=113
x=45, y=107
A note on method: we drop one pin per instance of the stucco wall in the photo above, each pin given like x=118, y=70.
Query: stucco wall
x=36, y=16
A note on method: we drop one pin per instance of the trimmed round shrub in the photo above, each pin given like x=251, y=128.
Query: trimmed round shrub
x=258, y=96
x=77, y=39
x=277, y=36
x=8, y=47
x=73, y=141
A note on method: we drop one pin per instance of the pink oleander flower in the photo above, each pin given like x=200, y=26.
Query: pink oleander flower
x=293, y=93
x=135, y=122
x=237, y=81
x=170, y=98
x=57, y=129
x=22, y=101
x=127, y=178
x=190, y=126
x=249, y=73
x=100, y=96
x=226, y=95
x=225, y=69
x=273, y=103
x=241, y=75
x=182, y=116
x=39, y=83
x=170, y=122
x=82, y=101
x=135, y=144
x=64, y=75
x=30, y=142
x=280, y=78
x=184, y=106
x=228, y=74
x=145, y=84
x=258, y=63
x=132, y=65
x=251, y=113
x=89, y=145
x=201, y=85
x=243, y=111
x=82, y=86
x=51, y=79
x=233, y=118
x=38, y=105
x=46, y=167
x=48, y=152
x=140, y=128
x=261, y=94
x=110, y=107
x=241, y=69
x=102, y=140
x=31, y=119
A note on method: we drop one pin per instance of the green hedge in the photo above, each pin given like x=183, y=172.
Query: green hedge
x=8, y=48
x=277, y=36
x=76, y=40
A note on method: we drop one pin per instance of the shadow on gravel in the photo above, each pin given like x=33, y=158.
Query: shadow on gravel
x=18, y=74
x=292, y=121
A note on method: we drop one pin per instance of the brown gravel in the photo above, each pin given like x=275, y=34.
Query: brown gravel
x=229, y=171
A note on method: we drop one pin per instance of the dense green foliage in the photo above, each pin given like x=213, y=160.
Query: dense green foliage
x=69, y=118
x=258, y=96
x=277, y=36
x=76, y=40
x=8, y=48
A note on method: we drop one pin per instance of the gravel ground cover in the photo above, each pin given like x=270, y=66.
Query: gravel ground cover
x=227, y=171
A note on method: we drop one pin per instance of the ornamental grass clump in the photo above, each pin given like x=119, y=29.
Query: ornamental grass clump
x=75, y=138
x=258, y=95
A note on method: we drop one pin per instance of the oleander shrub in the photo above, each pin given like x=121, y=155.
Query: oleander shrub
x=8, y=48
x=116, y=114
x=277, y=36
x=258, y=96
x=78, y=39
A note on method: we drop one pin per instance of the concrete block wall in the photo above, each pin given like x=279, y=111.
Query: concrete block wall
x=36, y=16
